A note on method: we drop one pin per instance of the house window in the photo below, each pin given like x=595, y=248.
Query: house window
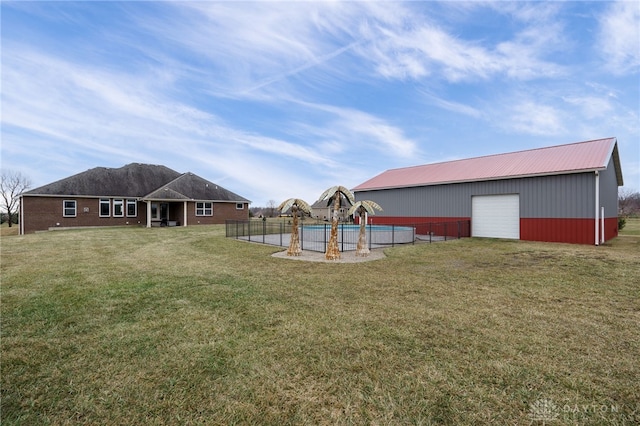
x=105, y=207
x=204, y=209
x=132, y=208
x=239, y=206
x=69, y=208
x=118, y=208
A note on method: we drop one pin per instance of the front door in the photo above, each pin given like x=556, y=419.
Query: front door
x=160, y=212
x=164, y=212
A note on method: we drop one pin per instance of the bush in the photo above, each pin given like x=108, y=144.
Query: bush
x=621, y=223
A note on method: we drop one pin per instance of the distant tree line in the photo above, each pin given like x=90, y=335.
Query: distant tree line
x=628, y=203
x=271, y=210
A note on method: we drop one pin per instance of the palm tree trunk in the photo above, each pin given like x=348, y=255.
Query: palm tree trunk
x=333, y=252
x=294, y=244
x=362, y=249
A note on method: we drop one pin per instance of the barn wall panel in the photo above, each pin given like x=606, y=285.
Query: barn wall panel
x=561, y=230
x=609, y=191
x=610, y=228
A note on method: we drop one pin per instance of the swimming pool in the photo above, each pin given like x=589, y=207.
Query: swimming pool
x=348, y=234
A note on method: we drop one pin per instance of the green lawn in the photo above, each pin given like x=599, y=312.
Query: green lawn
x=182, y=326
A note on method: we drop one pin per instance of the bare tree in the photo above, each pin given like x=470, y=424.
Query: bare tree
x=271, y=208
x=628, y=202
x=12, y=184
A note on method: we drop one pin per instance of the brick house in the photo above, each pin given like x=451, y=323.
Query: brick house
x=135, y=195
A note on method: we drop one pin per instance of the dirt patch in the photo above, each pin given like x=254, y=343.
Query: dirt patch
x=345, y=257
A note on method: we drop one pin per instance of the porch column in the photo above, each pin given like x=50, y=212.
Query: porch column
x=184, y=214
x=148, y=214
x=21, y=218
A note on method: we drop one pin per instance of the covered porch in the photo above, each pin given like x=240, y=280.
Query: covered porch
x=166, y=213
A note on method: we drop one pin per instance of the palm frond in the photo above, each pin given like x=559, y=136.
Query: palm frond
x=329, y=193
x=347, y=193
x=287, y=204
x=369, y=206
x=303, y=205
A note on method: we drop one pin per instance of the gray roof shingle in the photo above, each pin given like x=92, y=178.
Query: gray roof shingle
x=139, y=181
x=194, y=187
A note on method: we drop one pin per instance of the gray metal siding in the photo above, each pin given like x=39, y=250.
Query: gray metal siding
x=560, y=196
x=609, y=190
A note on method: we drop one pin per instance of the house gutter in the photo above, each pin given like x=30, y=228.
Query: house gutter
x=602, y=234
x=21, y=216
x=597, y=211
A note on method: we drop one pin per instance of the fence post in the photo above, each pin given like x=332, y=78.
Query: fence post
x=281, y=231
x=264, y=230
x=370, y=237
x=445, y=231
x=393, y=235
x=324, y=237
x=342, y=237
x=301, y=237
x=430, y=232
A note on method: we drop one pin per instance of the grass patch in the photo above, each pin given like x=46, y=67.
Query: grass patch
x=183, y=326
x=6, y=230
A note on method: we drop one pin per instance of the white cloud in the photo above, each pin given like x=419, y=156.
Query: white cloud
x=457, y=107
x=249, y=48
x=351, y=130
x=530, y=117
x=591, y=106
x=619, y=37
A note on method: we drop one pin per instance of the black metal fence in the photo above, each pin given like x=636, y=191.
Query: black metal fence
x=315, y=237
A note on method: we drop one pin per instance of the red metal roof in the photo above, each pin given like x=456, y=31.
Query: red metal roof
x=570, y=158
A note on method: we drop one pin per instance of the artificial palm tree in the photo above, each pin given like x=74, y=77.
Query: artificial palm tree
x=295, y=204
x=362, y=208
x=333, y=195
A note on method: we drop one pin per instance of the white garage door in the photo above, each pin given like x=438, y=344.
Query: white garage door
x=495, y=216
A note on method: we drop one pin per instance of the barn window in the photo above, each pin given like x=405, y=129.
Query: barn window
x=204, y=208
x=105, y=207
x=69, y=208
x=118, y=208
x=132, y=208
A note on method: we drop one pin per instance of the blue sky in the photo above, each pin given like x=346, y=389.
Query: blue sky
x=274, y=100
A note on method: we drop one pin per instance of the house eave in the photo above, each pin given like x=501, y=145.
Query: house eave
x=81, y=196
x=496, y=178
